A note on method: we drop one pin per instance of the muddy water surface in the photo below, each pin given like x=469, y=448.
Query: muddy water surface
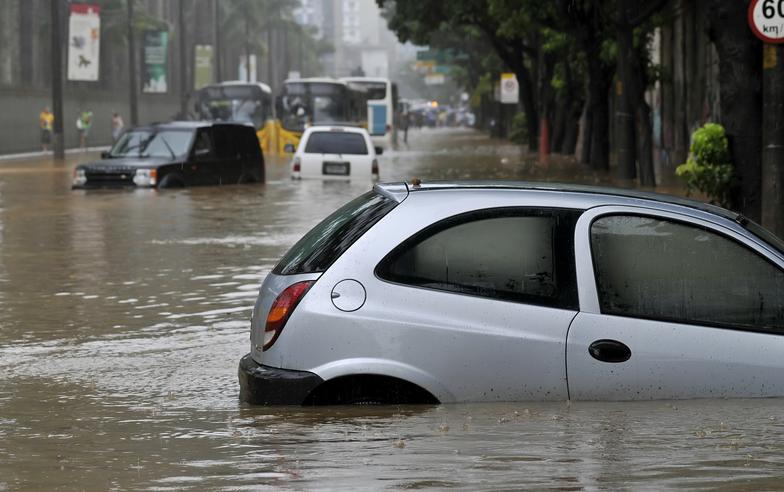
x=123, y=315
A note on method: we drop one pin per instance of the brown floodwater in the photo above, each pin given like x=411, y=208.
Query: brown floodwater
x=123, y=315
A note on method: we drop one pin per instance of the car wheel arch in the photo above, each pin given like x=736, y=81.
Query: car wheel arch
x=381, y=368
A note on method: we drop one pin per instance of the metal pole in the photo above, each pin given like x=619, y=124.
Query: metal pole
x=57, y=82
x=773, y=138
x=132, y=96
x=216, y=40
x=183, y=63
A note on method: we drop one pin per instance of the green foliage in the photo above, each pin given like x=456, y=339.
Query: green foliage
x=709, y=166
x=518, y=133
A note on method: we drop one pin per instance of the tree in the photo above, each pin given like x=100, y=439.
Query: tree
x=740, y=92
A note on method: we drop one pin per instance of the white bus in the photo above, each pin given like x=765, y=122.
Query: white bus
x=382, y=105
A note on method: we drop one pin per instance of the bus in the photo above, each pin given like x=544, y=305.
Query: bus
x=237, y=101
x=316, y=101
x=381, y=108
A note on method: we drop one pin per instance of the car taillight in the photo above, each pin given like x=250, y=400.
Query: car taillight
x=297, y=165
x=281, y=310
x=374, y=167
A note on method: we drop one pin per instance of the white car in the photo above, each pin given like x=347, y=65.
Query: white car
x=335, y=152
x=459, y=292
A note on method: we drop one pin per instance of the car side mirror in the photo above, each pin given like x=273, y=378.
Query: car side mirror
x=105, y=154
x=289, y=148
x=379, y=150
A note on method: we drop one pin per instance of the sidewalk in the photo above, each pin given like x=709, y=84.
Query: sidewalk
x=38, y=154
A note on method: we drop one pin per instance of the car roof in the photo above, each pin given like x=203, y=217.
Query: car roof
x=264, y=87
x=399, y=191
x=186, y=125
x=337, y=128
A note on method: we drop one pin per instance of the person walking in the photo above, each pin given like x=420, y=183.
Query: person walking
x=46, y=122
x=117, y=125
x=83, y=124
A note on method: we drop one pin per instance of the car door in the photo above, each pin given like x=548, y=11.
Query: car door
x=201, y=167
x=479, y=302
x=673, y=306
x=227, y=167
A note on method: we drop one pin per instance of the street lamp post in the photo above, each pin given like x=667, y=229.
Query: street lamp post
x=132, y=96
x=57, y=82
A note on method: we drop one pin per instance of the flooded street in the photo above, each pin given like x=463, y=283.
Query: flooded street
x=123, y=316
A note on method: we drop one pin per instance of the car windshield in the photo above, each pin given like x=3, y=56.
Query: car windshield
x=333, y=142
x=147, y=143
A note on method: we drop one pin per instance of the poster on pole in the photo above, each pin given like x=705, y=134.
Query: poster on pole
x=510, y=90
x=84, y=42
x=203, y=72
x=155, y=69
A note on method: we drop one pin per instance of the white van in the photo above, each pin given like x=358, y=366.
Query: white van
x=335, y=152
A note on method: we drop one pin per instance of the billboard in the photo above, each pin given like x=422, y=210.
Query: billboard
x=84, y=41
x=510, y=89
x=155, y=69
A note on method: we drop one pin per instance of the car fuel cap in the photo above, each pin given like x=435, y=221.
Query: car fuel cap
x=348, y=295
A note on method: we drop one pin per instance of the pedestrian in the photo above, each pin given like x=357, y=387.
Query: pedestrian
x=46, y=122
x=404, y=122
x=83, y=124
x=117, y=125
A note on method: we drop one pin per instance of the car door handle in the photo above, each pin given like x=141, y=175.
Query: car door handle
x=609, y=351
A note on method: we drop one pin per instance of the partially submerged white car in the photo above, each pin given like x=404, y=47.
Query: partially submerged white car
x=520, y=291
x=335, y=152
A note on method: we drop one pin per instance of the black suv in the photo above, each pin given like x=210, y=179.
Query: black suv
x=182, y=153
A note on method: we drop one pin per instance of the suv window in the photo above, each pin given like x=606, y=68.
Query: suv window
x=513, y=254
x=324, y=244
x=202, y=147
x=660, y=269
x=336, y=143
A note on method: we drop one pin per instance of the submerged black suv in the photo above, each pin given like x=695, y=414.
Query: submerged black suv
x=182, y=153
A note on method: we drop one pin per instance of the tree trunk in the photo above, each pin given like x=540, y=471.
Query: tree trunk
x=625, y=90
x=529, y=105
x=585, y=153
x=599, y=79
x=741, y=98
x=559, y=125
x=572, y=129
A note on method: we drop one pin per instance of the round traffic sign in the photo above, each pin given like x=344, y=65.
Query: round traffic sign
x=766, y=20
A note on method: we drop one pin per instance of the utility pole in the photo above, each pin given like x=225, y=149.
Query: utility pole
x=57, y=82
x=183, y=62
x=132, y=96
x=216, y=41
x=773, y=138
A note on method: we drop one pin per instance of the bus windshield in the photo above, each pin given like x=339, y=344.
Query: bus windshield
x=245, y=104
x=305, y=104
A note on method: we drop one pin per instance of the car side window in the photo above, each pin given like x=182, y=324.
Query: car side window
x=511, y=254
x=202, y=146
x=661, y=269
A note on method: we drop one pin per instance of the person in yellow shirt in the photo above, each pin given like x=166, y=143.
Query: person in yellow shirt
x=46, y=122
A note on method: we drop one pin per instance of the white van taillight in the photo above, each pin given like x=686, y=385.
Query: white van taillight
x=389, y=128
x=297, y=167
x=281, y=310
x=374, y=167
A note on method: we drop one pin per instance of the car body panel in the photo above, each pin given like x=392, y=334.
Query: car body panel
x=668, y=360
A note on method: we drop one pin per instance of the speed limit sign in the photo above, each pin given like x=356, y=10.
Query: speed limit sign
x=766, y=19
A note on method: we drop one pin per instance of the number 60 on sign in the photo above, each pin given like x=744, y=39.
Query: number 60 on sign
x=766, y=19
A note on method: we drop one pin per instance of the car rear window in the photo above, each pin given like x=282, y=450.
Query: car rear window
x=324, y=244
x=336, y=143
